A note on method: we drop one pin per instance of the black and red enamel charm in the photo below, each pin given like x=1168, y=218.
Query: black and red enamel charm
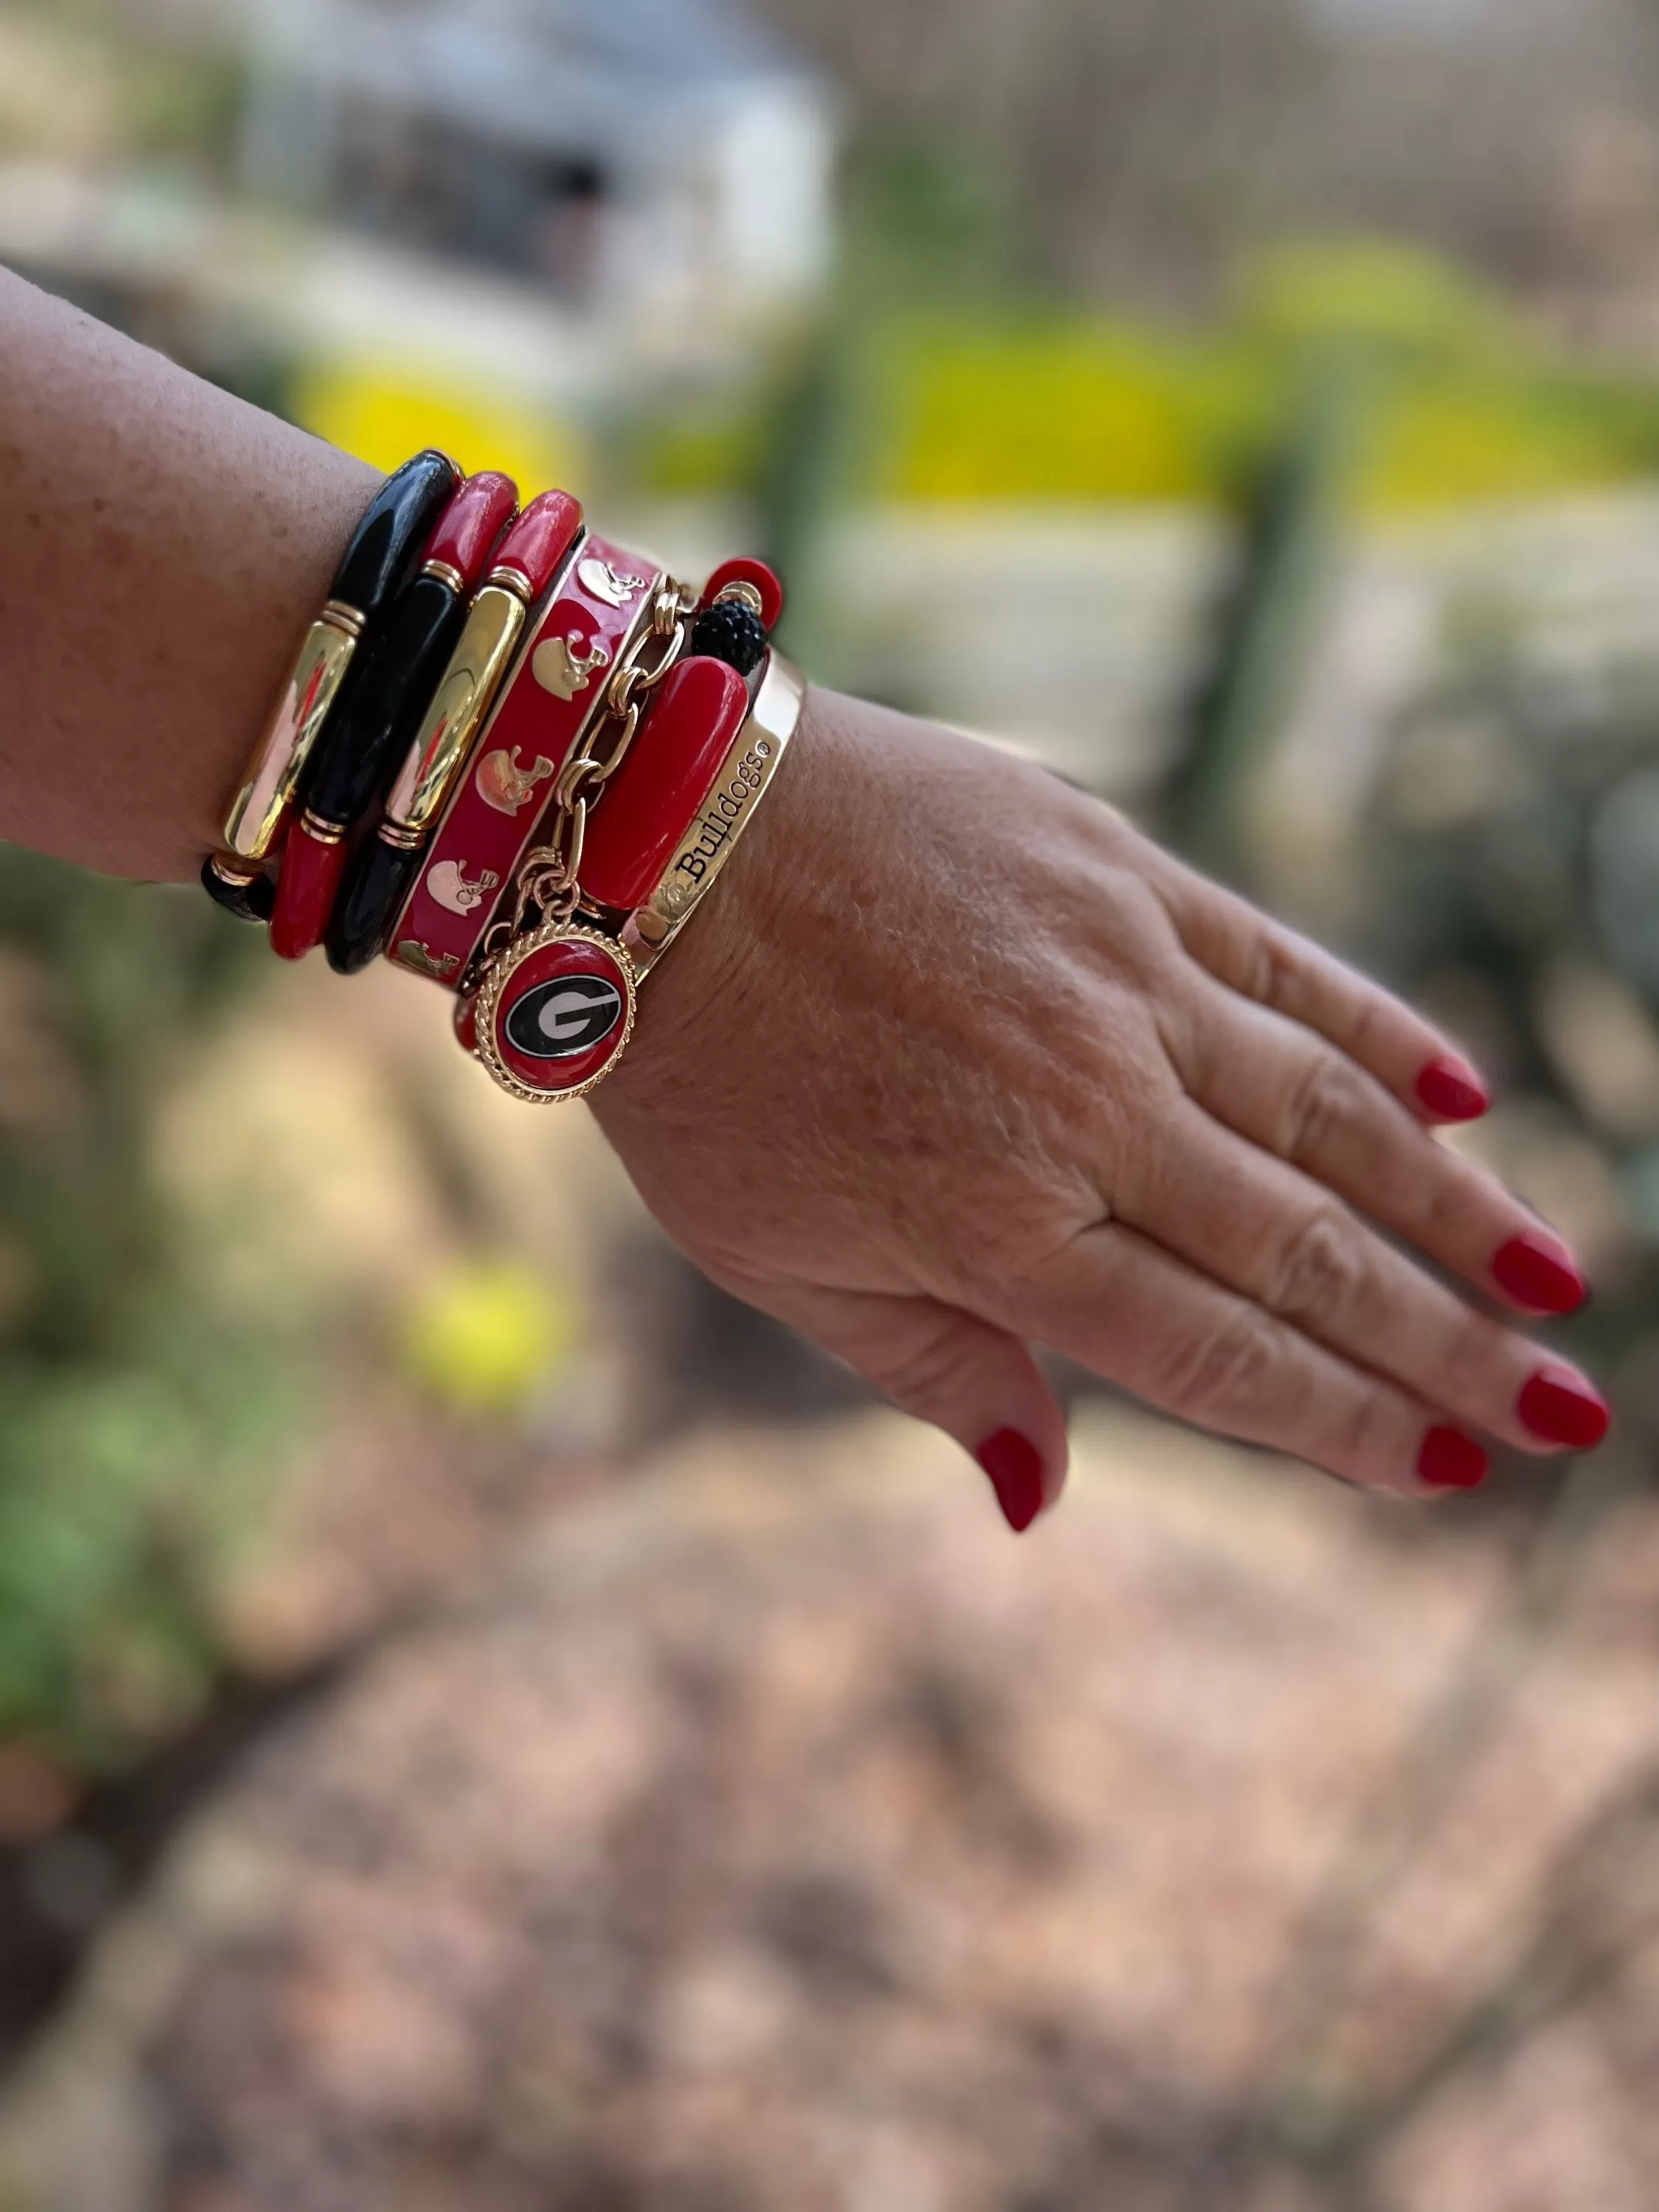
x=554, y=1012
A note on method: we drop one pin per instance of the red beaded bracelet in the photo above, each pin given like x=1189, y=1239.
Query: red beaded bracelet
x=661, y=786
x=754, y=581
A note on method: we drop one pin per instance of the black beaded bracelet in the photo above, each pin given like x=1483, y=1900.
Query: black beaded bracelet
x=394, y=528
x=731, y=630
x=370, y=731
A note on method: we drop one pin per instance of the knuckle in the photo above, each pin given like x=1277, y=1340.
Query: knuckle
x=1370, y=1025
x=1320, y=1274
x=1474, y=1356
x=1014, y=1240
x=1324, y=1100
x=1228, y=1376
x=923, y=1372
x=1361, y=1436
x=1459, y=1204
x=1273, y=970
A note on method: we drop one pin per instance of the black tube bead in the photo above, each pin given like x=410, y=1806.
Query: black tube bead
x=250, y=899
x=393, y=534
x=376, y=881
x=363, y=744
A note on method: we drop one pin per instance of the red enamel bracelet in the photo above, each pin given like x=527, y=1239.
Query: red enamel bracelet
x=690, y=872
x=559, y=690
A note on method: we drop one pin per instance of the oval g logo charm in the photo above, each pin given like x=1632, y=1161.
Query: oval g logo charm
x=554, y=1012
x=563, y=1019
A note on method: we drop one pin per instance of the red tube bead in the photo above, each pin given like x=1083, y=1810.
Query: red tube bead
x=658, y=790
x=312, y=868
x=540, y=540
x=470, y=525
x=764, y=580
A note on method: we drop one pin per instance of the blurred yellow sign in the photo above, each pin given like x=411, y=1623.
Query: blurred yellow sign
x=383, y=415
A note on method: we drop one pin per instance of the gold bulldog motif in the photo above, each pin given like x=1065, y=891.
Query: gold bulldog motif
x=505, y=784
x=599, y=578
x=447, y=884
x=440, y=966
x=561, y=666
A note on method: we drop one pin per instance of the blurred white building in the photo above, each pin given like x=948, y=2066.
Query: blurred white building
x=655, y=154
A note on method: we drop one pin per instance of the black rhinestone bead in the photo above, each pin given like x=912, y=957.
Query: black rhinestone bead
x=733, y=632
x=250, y=902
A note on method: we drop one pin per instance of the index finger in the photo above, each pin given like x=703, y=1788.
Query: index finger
x=1264, y=962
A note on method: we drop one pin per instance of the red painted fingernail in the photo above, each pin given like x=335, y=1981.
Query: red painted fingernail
x=1559, y=1406
x=1537, y=1270
x=1452, y=1091
x=1015, y=1466
x=1451, y=1460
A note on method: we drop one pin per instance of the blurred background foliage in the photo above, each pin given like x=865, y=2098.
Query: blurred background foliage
x=138, y=1416
x=945, y=340
x=1248, y=406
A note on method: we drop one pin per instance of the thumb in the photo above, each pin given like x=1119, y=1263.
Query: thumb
x=978, y=1383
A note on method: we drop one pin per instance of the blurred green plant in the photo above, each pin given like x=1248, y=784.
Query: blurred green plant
x=81, y=80
x=1053, y=406
x=964, y=391
x=138, y=1422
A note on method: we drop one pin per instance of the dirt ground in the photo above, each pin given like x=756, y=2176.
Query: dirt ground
x=774, y=1831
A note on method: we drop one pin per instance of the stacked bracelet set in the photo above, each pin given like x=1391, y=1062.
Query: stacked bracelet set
x=511, y=758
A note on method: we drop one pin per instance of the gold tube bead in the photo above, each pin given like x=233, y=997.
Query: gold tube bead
x=273, y=774
x=469, y=684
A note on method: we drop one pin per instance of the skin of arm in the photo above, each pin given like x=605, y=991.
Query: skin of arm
x=956, y=1062
x=163, y=548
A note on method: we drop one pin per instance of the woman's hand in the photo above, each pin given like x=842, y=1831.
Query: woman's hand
x=955, y=1061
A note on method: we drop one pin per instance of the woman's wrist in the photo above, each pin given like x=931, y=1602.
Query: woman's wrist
x=750, y=930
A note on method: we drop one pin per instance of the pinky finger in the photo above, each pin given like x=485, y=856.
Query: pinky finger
x=1133, y=1311
x=1262, y=961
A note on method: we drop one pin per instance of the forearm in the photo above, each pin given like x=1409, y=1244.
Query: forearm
x=163, y=547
